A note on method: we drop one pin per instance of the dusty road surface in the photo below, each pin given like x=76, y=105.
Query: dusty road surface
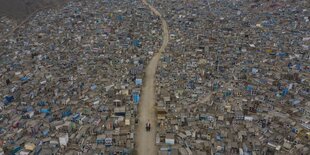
x=145, y=140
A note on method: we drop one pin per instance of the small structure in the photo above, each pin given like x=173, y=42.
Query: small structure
x=161, y=113
x=170, y=139
x=63, y=139
x=138, y=81
x=30, y=146
x=101, y=139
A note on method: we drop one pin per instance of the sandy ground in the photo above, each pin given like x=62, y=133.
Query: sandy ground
x=145, y=141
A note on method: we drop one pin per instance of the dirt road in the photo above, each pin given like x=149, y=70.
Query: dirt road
x=145, y=141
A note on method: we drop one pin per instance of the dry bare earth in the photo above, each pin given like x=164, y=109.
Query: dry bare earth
x=20, y=9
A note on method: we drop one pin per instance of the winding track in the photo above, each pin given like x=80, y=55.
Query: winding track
x=145, y=141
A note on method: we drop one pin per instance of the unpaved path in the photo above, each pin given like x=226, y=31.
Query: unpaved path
x=145, y=141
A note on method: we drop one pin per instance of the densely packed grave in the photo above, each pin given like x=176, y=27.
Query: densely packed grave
x=235, y=77
x=71, y=78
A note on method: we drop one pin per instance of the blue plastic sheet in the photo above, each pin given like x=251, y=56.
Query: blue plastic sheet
x=8, y=99
x=138, y=82
x=282, y=54
x=45, y=111
x=45, y=132
x=249, y=88
x=136, y=43
x=120, y=18
x=298, y=67
x=93, y=87
x=42, y=103
x=76, y=117
x=66, y=113
x=25, y=78
x=285, y=92
x=136, y=98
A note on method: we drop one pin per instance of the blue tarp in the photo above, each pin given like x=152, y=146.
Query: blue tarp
x=38, y=150
x=108, y=142
x=136, y=43
x=298, y=66
x=100, y=141
x=93, y=87
x=2, y=130
x=282, y=54
x=294, y=130
x=295, y=101
x=245, y=148
x=254, y=70
x=289, y=65
x=98, y=21
x=227, y=93
x=215, y=86
x=45, y=111
x=120, y=18
x=269, y=23
x=15, y=150
x=138, y=82
x=66, y=113
x=45, y=132
x=191, y=84
x=218, y=137
x=8, y=99
x=249, y=88
x=285, y=92
x=25, y=78
x=42, y=103
x=50, y=118
x=76, y=117
x=136, y=98
x=27, y=109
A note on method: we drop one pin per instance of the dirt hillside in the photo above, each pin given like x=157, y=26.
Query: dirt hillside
x=20, y=9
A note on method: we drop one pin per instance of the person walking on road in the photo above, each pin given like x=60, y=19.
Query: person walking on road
x=148, y=126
